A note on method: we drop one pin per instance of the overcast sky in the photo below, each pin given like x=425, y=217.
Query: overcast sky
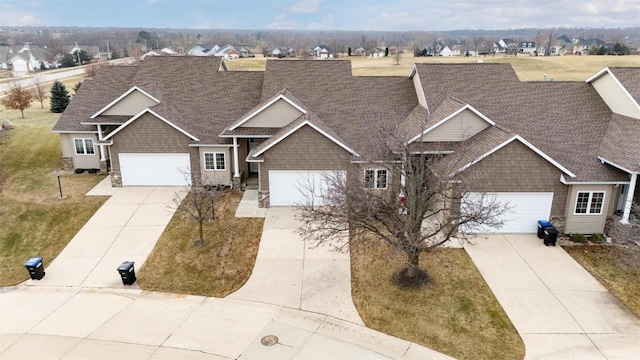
x=323, y=14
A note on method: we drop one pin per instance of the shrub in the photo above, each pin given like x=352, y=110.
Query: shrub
x=78, y=171
x=597, y=238
x=579, y=238
x=92, y=171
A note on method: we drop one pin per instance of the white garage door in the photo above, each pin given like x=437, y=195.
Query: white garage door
x=291, y=188
x=154, y=169
x=525, y=211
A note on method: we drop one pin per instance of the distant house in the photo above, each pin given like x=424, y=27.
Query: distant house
x=507, y=46
x=376, y=52
x=527, y=47
x=359, y=52
x=583, y=46
x=462, y=50
x=22, y=60
x=446, y=51
x=203, y=50
x=245, y=52
x=92, y=51
x=322, y=52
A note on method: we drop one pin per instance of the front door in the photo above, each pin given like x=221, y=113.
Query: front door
x=253, y=166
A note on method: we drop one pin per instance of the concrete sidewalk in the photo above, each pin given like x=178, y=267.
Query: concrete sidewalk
x=87, y=323
x=558, y=308
x=125, y=228
x=289, y=272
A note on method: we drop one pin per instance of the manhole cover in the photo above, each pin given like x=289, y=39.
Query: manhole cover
x=269, y=340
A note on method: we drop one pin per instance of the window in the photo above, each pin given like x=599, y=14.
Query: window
x=214, y=161
x=589, y=202
x=375, y=179
x=84, y=146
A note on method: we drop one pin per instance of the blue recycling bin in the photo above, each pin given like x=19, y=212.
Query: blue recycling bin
x=542, y=224
x=35, y=267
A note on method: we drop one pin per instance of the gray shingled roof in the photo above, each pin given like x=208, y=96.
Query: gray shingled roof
x=620, y=144
x=630, y=79
x=569, y=131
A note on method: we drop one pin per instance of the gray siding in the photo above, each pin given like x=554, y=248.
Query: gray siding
x=80, y=161
x=305, y=149
x=279, y=114
x=515, y=168
x=215, y=177
x=460, y=127
x=131, y=104
x=148, y=134
x=586, y=223
x=615, y=97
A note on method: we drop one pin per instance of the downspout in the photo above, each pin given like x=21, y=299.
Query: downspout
x=236, y=165
x=102, y=157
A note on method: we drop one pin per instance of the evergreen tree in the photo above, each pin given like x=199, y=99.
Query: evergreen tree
x=125, y=53
x=59, y=97
x=42, y=66
x=349, y=51
x=386, y=52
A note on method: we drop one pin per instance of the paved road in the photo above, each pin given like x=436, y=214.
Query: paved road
x=559, y=309
x=50, y=76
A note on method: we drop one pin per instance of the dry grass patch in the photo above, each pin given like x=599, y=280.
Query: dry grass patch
x=217, y=268
x=456, y=313
x=33, y=220
x=617, y=267
x=528, y=68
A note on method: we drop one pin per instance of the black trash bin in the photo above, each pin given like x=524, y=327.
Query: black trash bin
x=543, y=224
x=35, y=268
x=550, y=236
x=127, y=273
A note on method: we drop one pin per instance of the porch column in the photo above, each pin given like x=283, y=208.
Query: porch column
x=102, y=156
x=629, y=199
x=236, y=165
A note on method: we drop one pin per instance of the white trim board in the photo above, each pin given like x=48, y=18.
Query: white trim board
x=122, y=97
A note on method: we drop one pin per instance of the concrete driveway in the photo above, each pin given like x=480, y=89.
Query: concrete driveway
x=289, y=272
x=125, y=228
x=558, y=308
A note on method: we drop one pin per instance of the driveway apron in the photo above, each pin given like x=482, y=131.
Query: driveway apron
x=290, y=272
x=125, y=228
x=558, y=308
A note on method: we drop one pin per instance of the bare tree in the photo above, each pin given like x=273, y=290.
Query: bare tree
x=414, y=200
x=199, y=205
x=17, y=98
x=397, y=55
x=40, y=89
x=550, y=43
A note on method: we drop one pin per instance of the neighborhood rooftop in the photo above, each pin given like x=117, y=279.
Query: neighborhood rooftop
x=229, y=125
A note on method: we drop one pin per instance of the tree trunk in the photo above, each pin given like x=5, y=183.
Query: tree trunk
x=413, y=263
x=201, y=231
x=22, y=113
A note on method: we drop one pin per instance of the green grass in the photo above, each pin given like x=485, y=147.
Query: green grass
x=33, y=220
x=455, y=314
x=219, y=267
x=617, y=268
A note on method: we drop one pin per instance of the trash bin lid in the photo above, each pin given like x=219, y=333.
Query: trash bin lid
x=33, y=261
x=544, y=223
x=126, y=265
x=550, y=231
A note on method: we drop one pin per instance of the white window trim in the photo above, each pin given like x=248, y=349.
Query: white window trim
x=375, y=179
x=215, y=163
x=84, y=146
x=604, y=196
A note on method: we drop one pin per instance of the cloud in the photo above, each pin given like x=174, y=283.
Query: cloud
x=325, y=24
x=305, y=7
x=14, y=16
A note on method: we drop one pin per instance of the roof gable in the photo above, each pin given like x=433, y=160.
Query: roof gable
x=128, y=104
x=458, y=125
x=277, y=112
x=149, y=111
x=297, y=125
x=507, y=142
x=615, y=94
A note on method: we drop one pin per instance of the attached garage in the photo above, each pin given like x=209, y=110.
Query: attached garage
x=526, y=209
x=295, y=187
x=155, y=169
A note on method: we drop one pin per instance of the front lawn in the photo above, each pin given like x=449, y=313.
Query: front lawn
x=219, y=267
x=33, y=220
x=455, y=314
x=617, y=267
